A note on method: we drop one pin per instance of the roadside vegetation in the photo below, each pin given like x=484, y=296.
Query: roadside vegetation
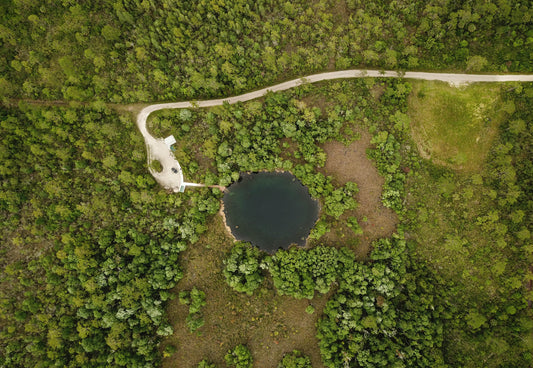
x=153, y=50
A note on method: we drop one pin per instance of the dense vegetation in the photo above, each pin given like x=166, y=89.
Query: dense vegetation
x=128, y=51
x=295, y=360
x=91, y=245
x=242, y=270
x=65, y=202
x=474, y=230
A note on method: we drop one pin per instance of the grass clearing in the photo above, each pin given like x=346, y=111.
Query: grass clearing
x=448, y=237
x=455, y=126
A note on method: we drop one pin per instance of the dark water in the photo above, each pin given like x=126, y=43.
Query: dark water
x=270, y=210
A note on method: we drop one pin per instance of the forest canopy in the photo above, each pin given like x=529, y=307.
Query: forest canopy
x=94, y=253
x=152, y=50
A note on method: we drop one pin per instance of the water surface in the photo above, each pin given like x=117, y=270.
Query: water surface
x=270, y=210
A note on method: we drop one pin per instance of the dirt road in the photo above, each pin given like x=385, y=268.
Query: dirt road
x=157, y=150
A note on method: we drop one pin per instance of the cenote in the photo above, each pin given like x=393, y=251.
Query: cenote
x=270, y=210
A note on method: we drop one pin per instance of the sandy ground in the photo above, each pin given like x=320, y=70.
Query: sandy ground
x=350, y=163
x=222, y=214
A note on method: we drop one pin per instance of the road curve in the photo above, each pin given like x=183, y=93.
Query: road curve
x=157, y=149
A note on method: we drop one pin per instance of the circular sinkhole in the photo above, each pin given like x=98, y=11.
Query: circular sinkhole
x=270, y=210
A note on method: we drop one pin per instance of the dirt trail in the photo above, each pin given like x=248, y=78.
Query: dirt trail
x=157, y=149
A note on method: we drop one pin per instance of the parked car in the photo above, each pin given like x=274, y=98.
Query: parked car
x=174, y=170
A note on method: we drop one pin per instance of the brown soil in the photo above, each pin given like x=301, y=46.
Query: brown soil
x=222, y=215
x=320, y=102
x=350, y=163
x=269, y=324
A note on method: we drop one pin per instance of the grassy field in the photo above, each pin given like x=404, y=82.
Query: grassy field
x=455, y=126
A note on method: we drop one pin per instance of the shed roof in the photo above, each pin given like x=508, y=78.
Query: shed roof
x=170, y=140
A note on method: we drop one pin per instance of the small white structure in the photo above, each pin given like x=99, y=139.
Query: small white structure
x=169, y=141
x=183, y=185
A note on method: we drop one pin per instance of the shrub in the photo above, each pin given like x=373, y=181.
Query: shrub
x=354, y=225
x=156, y=166
x=240, y=357
x=205, y=364
x=195, y=299
x=242, y=269
x=295, y=360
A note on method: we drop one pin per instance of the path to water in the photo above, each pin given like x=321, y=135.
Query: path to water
x=173, y=179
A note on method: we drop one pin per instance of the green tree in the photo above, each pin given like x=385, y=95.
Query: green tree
x=239, y=357
x=243, y=268
x=295, y=359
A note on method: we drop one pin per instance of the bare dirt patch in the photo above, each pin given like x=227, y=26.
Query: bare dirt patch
x=270, y=325
x=350, y=163
x=377, y=90
x=316, y=101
